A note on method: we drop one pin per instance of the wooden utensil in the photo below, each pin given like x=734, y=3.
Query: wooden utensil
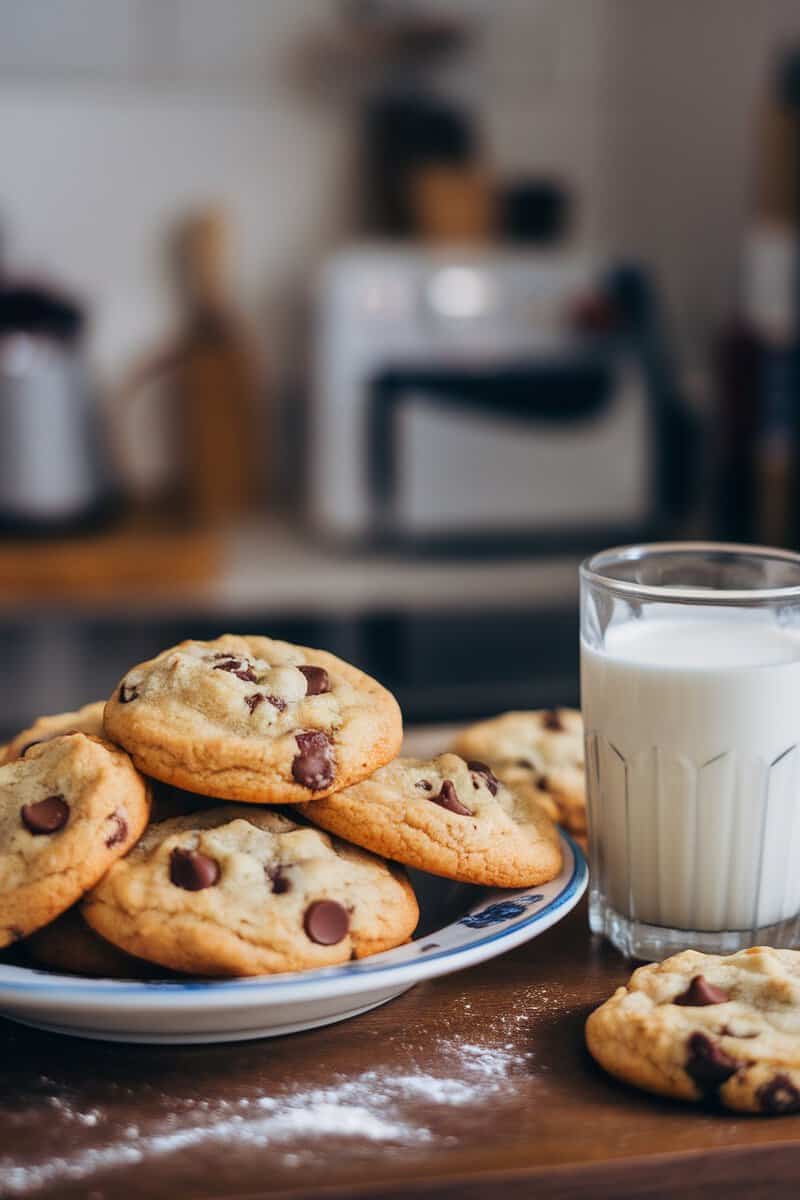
x=216, y=377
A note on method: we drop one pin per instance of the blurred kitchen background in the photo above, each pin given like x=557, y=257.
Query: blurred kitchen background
x=358, y=322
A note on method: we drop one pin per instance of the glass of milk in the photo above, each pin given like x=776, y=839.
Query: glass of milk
x=690, y=688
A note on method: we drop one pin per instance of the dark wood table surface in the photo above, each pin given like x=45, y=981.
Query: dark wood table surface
x=469, y=1086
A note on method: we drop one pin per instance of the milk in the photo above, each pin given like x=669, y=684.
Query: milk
x=692, y=728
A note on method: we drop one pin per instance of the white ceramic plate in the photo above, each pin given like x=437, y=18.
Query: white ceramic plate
x=459, y=926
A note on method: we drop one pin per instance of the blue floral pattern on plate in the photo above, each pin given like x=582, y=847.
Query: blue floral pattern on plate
x=501, y=910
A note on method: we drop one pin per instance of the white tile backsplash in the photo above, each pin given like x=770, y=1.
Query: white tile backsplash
x=115, y=115
x=67, y=37
x=195, y=43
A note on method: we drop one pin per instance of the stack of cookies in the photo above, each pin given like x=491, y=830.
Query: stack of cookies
x=187, y=823
x=539, y=754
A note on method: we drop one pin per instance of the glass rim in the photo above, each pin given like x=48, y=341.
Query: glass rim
x=592, y=571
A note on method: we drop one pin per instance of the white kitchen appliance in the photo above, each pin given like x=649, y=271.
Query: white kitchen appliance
x=481, y=397
x=55, y=476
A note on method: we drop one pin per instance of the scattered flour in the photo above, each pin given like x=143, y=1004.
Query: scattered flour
x=374, y=1105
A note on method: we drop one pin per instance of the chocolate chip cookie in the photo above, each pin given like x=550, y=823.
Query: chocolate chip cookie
x=88, y=719
x=539, y=751
x=68, y=810
x=238, y=890
x=449, y=817
x=703, y=1027
x=69, y=946
x=255, y=720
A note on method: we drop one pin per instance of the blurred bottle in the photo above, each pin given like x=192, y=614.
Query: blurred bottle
x=736, y=366
x=756, y=359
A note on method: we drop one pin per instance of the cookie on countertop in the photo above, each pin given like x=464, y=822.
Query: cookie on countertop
x=238, y=890
x=88, y=719
x=448, y=817
x=68, y=810
x=69, y=946
x=540, y=750
x=254, y=720
x=704, y=1027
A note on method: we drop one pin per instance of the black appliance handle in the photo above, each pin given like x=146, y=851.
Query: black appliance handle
x=555, y=393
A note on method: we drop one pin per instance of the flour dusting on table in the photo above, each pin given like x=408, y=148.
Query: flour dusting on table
x=375, y=1105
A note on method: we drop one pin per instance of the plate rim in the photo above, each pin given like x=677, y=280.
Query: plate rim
x=44, y=989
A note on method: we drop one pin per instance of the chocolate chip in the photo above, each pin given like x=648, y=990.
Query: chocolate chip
x=543, y=783
x=46, y=816
x=313, y=767
x=707, y=1064
x=486, y=774
x=318, y=681
x=551, y=719
x=280, y=883
x=448, y=798
x=257, y=698
x=326, y=922
x=700, y=992
x=525, y=762
x=128, y=692
x=192, y=871
x=238, y=667
x=424, y=785
x=119, y=831
x=779, y=1096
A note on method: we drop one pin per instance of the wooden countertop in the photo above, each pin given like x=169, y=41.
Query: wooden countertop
x=476, y=1085
x=263, y=566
